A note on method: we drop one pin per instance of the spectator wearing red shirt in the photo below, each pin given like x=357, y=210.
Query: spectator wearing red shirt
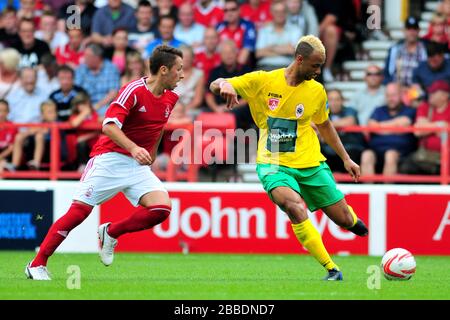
x=257, y=11
x=208, y=58
x=6, y=135
x=72, y=53
x=241, y=31
x=83, y=114
x=432, y=113
x=208, y=13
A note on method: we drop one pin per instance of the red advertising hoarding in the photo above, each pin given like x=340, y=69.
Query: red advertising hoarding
x=419, y=223
x=237, y=222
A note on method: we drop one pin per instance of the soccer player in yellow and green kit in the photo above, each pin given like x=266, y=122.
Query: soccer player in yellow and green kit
x=284, y=103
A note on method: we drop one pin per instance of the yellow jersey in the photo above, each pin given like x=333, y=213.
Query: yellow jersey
x=283, y=115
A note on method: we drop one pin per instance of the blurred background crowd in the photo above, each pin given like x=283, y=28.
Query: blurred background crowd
x=65, y=60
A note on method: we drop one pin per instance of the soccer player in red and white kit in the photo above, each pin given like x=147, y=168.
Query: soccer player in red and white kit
x=120, y=162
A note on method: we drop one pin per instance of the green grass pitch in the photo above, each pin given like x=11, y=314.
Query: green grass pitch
x=216, y=276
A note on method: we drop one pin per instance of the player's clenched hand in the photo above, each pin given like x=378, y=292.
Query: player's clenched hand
x=141, y=155
x=229, y=94
x=353, y=169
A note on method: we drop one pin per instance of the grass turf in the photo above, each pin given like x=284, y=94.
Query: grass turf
x=216, y=276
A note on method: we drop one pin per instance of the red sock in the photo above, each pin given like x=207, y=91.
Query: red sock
x=59, y=231
x=141, y=219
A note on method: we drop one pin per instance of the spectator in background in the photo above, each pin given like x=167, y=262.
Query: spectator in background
x=87, y=11
x=256, y=11
x=29, y=10
x=432, y=113
x=187, y=30
x=100, y=78
x=72, y=53
x=241, y=31
x=25, y=108
x=83, y=114
x=47, y=78
x=438, y=30
x=166, y=28
x=165, y=8
x=207, y=58
x=386, y=148
x=342, y=117
x=48, y=32
x=8, y=28
x=302, y=15
x=109, y=18
x=13, y=4
x=117, y=54
x=30, y=48
x=366, y=100
x=37, y=146
x=444, y=9
x=135, y=68
x=227, y=69
x=191, y=90
x=145, y=29
x=208, y=13
x=66, y=92
x=436, y=67
x=405, y=55
x=337, y=21
x=7, y=136
x=55, y=5
x=276, y=41
x=9, y=77
x=24, y=101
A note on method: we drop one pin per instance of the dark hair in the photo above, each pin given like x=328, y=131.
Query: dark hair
x=8, y=9
x=5, y=102
x=144, y=3
x=65, y=68
x=96, y=49
x=48, y=13
x=79, y=99
x=167, y=16
x=304, y=49
x=119, y=29
x=234, y=1
x=163, y=56
x=26, y=20
x=434, y=48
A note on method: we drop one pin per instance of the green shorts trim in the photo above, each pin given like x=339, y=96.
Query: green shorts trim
x=315, y=185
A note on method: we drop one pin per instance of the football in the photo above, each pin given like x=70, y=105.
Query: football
x=398, y=264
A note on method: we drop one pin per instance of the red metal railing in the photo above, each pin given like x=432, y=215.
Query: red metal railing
x=173, y=174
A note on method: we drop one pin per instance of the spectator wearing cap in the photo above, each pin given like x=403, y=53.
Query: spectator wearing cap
x=435, y=112
x=405, y=56
x=436, y=66
x=366, y=100
x=387, y=148
x=100, y=78
x=109, y=18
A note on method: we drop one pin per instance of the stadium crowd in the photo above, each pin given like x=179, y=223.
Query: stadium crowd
x=65, y=60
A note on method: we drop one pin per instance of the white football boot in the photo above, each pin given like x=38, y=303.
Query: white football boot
x=37, y=273
x=107, y=244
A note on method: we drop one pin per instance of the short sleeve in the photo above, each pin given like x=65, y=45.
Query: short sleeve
x=248, y=84
x=120, y=108
x=321, y=115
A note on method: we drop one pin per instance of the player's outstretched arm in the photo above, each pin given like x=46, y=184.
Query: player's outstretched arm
x=223, y=88
x=141, y=155
x=331, y=137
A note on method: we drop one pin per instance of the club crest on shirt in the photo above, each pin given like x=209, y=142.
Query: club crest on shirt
x=167, y=112
x=299, y=110
x=273, y=103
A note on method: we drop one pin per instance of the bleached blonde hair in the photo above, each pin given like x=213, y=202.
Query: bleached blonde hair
x=10, y=59
x=308, y=44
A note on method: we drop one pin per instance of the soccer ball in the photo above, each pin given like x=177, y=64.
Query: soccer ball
x=398, y=264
